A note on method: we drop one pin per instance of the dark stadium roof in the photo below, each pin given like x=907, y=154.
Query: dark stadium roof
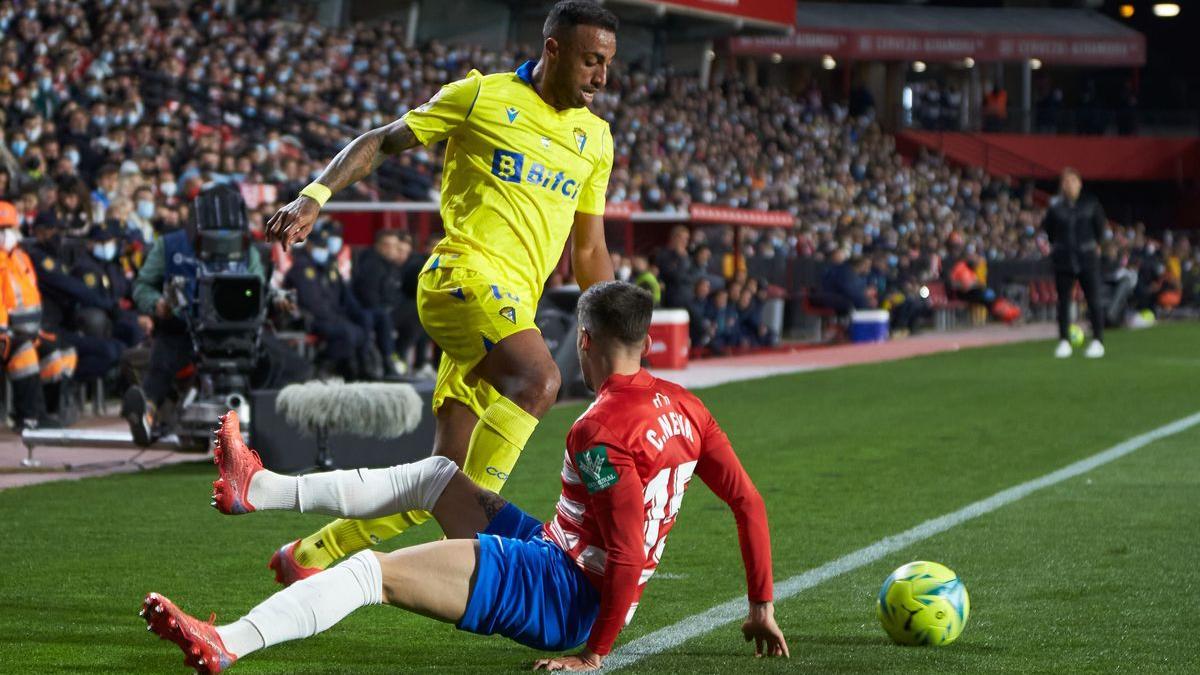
x=919, y=19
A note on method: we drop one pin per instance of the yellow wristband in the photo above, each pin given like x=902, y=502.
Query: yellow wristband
x=317, y=192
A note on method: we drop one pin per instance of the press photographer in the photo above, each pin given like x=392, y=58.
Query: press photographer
x=206, y=287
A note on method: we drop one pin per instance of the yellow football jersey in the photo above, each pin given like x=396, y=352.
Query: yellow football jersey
x=516, y=171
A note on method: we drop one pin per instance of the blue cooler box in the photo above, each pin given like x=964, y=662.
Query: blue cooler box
x=869, y=325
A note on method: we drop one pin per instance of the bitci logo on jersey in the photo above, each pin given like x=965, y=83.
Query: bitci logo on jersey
x=509, y=167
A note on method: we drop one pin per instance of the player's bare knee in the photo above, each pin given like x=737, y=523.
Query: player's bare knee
x=540, y=390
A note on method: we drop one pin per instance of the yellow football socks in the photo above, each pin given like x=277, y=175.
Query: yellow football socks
x=344, y=537
x=496, y=444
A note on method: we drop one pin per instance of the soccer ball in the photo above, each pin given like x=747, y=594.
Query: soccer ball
x=923, y=603
x=1075, y=335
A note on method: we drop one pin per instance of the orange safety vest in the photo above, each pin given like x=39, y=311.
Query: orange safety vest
x=962, y=276
x=996, y=105
x=20, y=301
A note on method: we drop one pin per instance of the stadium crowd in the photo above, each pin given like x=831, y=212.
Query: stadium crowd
x=114, y=114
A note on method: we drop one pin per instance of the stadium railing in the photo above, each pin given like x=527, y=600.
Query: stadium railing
x=628, y=229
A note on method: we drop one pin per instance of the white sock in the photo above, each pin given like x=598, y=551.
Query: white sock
x=308, y=607
x=269, y=490
x=241, y=637
x=361, y=493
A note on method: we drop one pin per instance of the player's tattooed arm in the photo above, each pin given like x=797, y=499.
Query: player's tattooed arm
x=294, y=222
x=364, y=154
x=491, y=503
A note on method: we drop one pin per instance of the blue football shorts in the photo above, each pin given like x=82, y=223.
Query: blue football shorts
x=527, y=588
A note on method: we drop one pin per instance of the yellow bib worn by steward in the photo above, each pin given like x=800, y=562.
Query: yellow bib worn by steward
x=515, y=173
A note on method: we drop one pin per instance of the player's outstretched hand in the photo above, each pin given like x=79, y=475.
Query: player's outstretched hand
x=581, y=662
x=760, y=626
x=293, y=222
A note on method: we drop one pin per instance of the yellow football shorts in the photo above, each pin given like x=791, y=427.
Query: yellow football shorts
x=467, y=314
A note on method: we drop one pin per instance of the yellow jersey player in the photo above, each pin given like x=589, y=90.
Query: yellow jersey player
x=526, y=166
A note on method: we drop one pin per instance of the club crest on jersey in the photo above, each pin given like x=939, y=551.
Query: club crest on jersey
x=512, y=114
x=509, y=313
x=545, y=142
x=595, y=470
x=580, y=138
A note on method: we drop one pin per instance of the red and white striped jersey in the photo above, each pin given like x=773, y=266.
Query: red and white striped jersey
x=629, y=460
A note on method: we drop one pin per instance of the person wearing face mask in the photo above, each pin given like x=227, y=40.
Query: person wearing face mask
x=100, y=271
x=20, y=322
x=141, y=217
x=67, y=306
x=168, y=188
x=336, y=316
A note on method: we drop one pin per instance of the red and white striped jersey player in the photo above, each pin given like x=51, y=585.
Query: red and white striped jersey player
x=574, y=581
x=630, y=458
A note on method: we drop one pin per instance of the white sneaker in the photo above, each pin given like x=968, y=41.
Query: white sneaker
x=1063, y=351
x=426, y=372
x=1095, y=350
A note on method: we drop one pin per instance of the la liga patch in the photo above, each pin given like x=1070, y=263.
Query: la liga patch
x=595, y=469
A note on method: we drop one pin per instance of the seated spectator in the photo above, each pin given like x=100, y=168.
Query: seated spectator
x=1118, y=282
x=66, y=302
x=337, y=317
x=901, y=295
x=141, y=216
x=967, y=285
x=646, y=276
x=843, y=284
x=753, y=332
x=703, y=264
x=99, y=269
x=724, y=320
x=700, y=329
x=377, y=284
x=72, y=209
x=622, y=269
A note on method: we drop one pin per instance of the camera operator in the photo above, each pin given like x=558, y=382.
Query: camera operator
x=172, y=268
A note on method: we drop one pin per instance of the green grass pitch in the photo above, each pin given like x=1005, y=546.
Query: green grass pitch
x=1096, y=574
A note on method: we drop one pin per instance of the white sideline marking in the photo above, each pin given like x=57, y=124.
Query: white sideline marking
x=704, y=622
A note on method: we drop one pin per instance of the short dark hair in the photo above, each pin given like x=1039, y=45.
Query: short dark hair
x=384, y=233
x=616, y=310
x=570, y=13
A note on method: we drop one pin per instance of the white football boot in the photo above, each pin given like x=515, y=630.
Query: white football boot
x=1063, y=351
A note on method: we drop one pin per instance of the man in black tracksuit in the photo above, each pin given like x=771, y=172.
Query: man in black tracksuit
x=1075, y=225
x=377, y=285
